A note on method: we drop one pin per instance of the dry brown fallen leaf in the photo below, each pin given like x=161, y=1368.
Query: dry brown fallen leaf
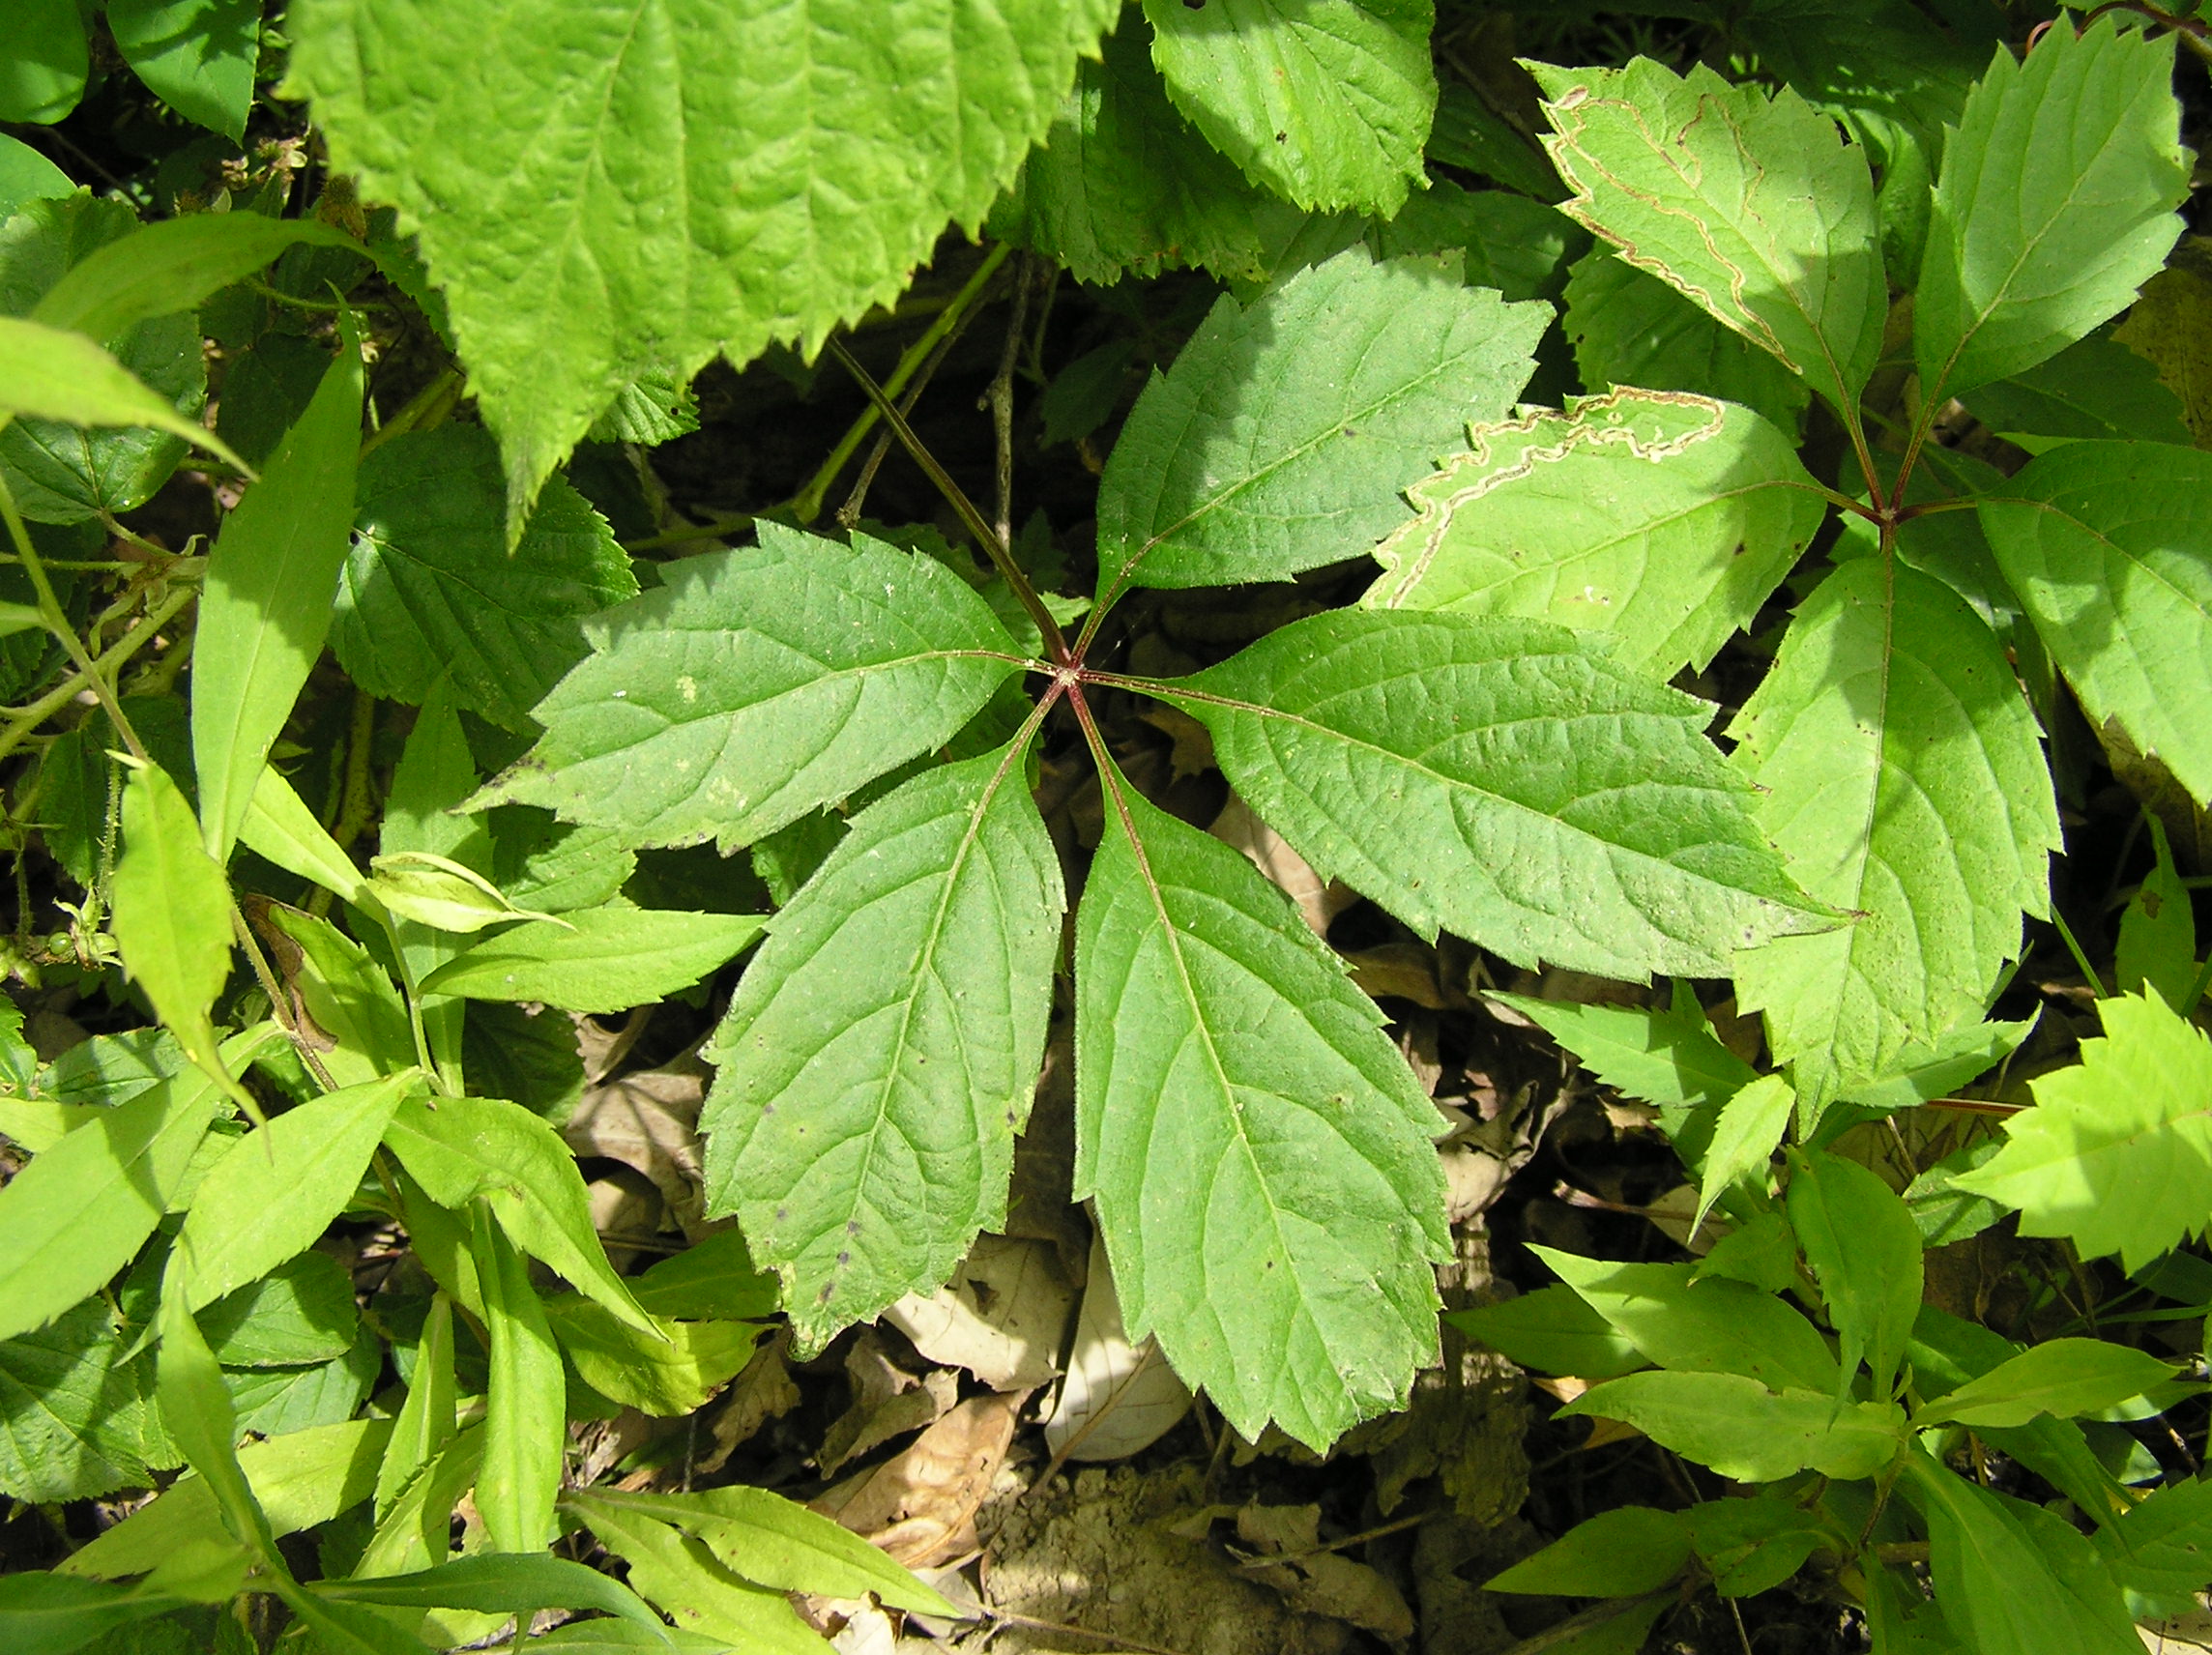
x=650, y=1121
x=1004, y=1316
x=1315, y=1582
x=887, y=1401
x=1319, y=900
x=920, y=1506
x=762, y=1391
x=1118, y=1398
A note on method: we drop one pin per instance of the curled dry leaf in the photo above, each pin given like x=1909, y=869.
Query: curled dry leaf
x=1319, y=900
x=887, y=1401
x=1003, y=1317
x=762, y=1391
x=650, y=1121
x=1317, y=1582
x=1118, y=1398
x=920, y=1506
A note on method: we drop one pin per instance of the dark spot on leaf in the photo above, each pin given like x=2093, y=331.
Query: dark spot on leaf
x=782, y=1214
x=852, y=1227
x=1282, y=137
x=823, y=1297
x=844, y=1257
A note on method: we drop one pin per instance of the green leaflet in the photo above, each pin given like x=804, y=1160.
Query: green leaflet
x=668, y=1375
x=1255, y=1147
x=1503, y=779
x=598, y=959
x=1864, y=1250
x=2061, y=1377
x=2117, y=1154
x=1467, y=133
x=471, y=1147
x=1746, y=1433
x=1617, y=1554
x=280, y=826
x=882, y=1049
x=343, y=991
x=172, y=910
x=430, y=587
x=2109, y=548
x=1509, y=242
x=1751, y=205
x=1121, y=184
x=678, y=1573
x=266, y=607
x=1555, y=1331
x=1282, y=436
x=2158, y=932
x=793, y=160
x=1327, y=105
x=1902, y=775
x=2096, y=388
x=43, y=75
x=1670, y=1058
x=51, y=1614
x=1704, y=1326
x=497, y=1583
x=713, y=1278
x=1665, y=518
x=301, y=1312
x=197, y=1413
x=1748, y=1130
x=54, y=375
x=757, y=684
x=2055, y=204
x=426, y=1418
x=1629, y=328
x=277, y=1188
x=2160, y=1545
x=1992, y=1560
x=157, y=270
x=77, y=1420
x=197, y=56
x=525, y=1417
x=27, y=176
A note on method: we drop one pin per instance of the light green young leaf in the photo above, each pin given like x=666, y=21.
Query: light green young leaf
x=882, y=1049
x=172, y=910
x=1994, y=1576
x=160, y=269
x=198, y=56
x=1661, y=517
x=197, y=1412
x=2162, y=1544
x=525, y=1407
x=2096, y=389
x=279, y=826
x=1864, y=1250
x=1618, y=1554
x=667, y=1375
x=265, y=609
x=2109, y=548
x=596, y=958
x=497, y=1583
x=774, y=155
x=471, y=1147
x=302, y=1479
x=757, y=684
x=1921, y=1073
x=416, y=1533
x=1121, y=185
x=48, y=58
x=1629, y=328
x=427, y=888
x=430, y=587
x=1745, y=1135
x=1760, y=1250
x=1744, y=1432
x=1328, y=106
x=1282, y=436
x=678, y=1573
x=2055, y=204
x=277, y=1188
x=2158, y=932
x=2062, y=1376
x=50, y=373
x=81, y=1209
x=1553, y=1332
x=1901, y=773
x=779, y=1543
x=1502, y=779
x=426, y=1423
x=1709, y=1326
x=1754, y=206
x=1670, y=1058
x=2117, y=1154
x=1223, y=1058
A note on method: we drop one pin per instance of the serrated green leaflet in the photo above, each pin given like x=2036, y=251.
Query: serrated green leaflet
x=602, y=959
x=2097, y=387
x=1745, y=1135
x=1327, y=105
x=1255, y=1147
x=1509, y=241
x=1864, y=1249
x=1902, y=774
x=680, y=1574
x=1747, y=1432
x=793, y=160
x=1122, y=185
x=2109, y=548
x=2117, y=1154
x=1670, y=1058
x=1503, y=779
x=1629, y=328
x=2055, y=203
x=266, y=607
x=429, y=588
x=1663, y=518
x=1753, y=206
x=1281, y=437
x=882, y=1048
x=757, y=684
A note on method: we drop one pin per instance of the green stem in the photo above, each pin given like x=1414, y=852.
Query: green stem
x=2081, y=959
x=807, y=503
x=424, y=409
x=30, y=717
x=57, y=621
x=2196, y=995
x=985, y=536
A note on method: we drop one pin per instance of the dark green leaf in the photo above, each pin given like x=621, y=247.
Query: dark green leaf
x=497, y=1583
x=43, y=75
x=43, y=1613
x=76, y=1420
x=2095, y=389
x=197, y=56
x=2061, y=1377
x=300, y=1312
